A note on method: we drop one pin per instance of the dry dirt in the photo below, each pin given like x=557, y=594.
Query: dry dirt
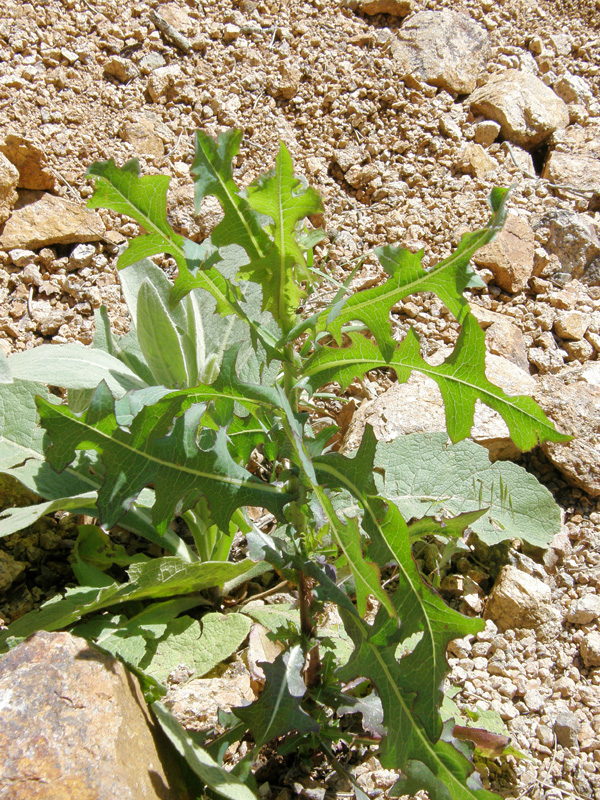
x=320, y=76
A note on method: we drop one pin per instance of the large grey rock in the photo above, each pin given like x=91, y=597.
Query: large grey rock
x=526, y=109
x=510, y=256
x=444, y=48
x=75, y=725
x=519, y=600
x=574, y=239
x=575, y=409
x=417, y=407
x=50, y=220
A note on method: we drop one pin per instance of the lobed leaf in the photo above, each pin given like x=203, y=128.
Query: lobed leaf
x=461, y=379
x=213, y=175
x=159, y=448
x=277, y=711
x=447, y=280
x=162, y=577
x=121, y=189
x=282, y=267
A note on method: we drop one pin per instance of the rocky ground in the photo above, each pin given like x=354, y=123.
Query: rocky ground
x=404, y=114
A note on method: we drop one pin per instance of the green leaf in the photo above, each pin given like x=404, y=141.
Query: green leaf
x=425, y=476
x=461, y=378
x=160, y=340
x=201, y=646
x=364, y=571
x=160, y=449
x=409, y=745
x=213, y=175
x=161, y=577
x=207, y=769
x=5, y=374
x=277, y=711
x=73, y=366
x=15, y=519
x=282, y=267
x=145, y=200
x=21, y=437
x=447, y=280
x=125, y=348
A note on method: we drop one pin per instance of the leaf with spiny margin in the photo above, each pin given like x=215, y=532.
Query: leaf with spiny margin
x=213, y=175
x=159, y=578
x=277, y=711
x=364, y=571
x=461, y=378
x=159, y=448
x=279, y=195
x=144, y=199
x=447, y=280
x=418, y=608
x=407, y=740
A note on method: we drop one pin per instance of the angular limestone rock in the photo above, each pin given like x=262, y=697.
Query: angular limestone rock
x=575, y=409
x=573, y=238
x=526, y=109
x=519, y=600
x=9, y=178
x=577, y=162
x=50, y=220
x=75, y=725
x=444, y=48
x=142, y=136
x=31, y=163
x=510, y=255
x=397, y=8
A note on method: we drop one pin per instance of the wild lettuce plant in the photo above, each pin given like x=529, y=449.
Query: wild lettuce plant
x=156, y=433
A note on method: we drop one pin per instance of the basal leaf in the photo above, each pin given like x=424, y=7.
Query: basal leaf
x=158, y=578
x=159, y=448
x=282, y=267
x=73, y=366
x=5, y=374
x=461, y=378
x=15, y=519
x=21, y=438
x=424, y=475
x=277, y=711
x=161, y=341
x=200, y=645
x=208, y=770
x=447, y=280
